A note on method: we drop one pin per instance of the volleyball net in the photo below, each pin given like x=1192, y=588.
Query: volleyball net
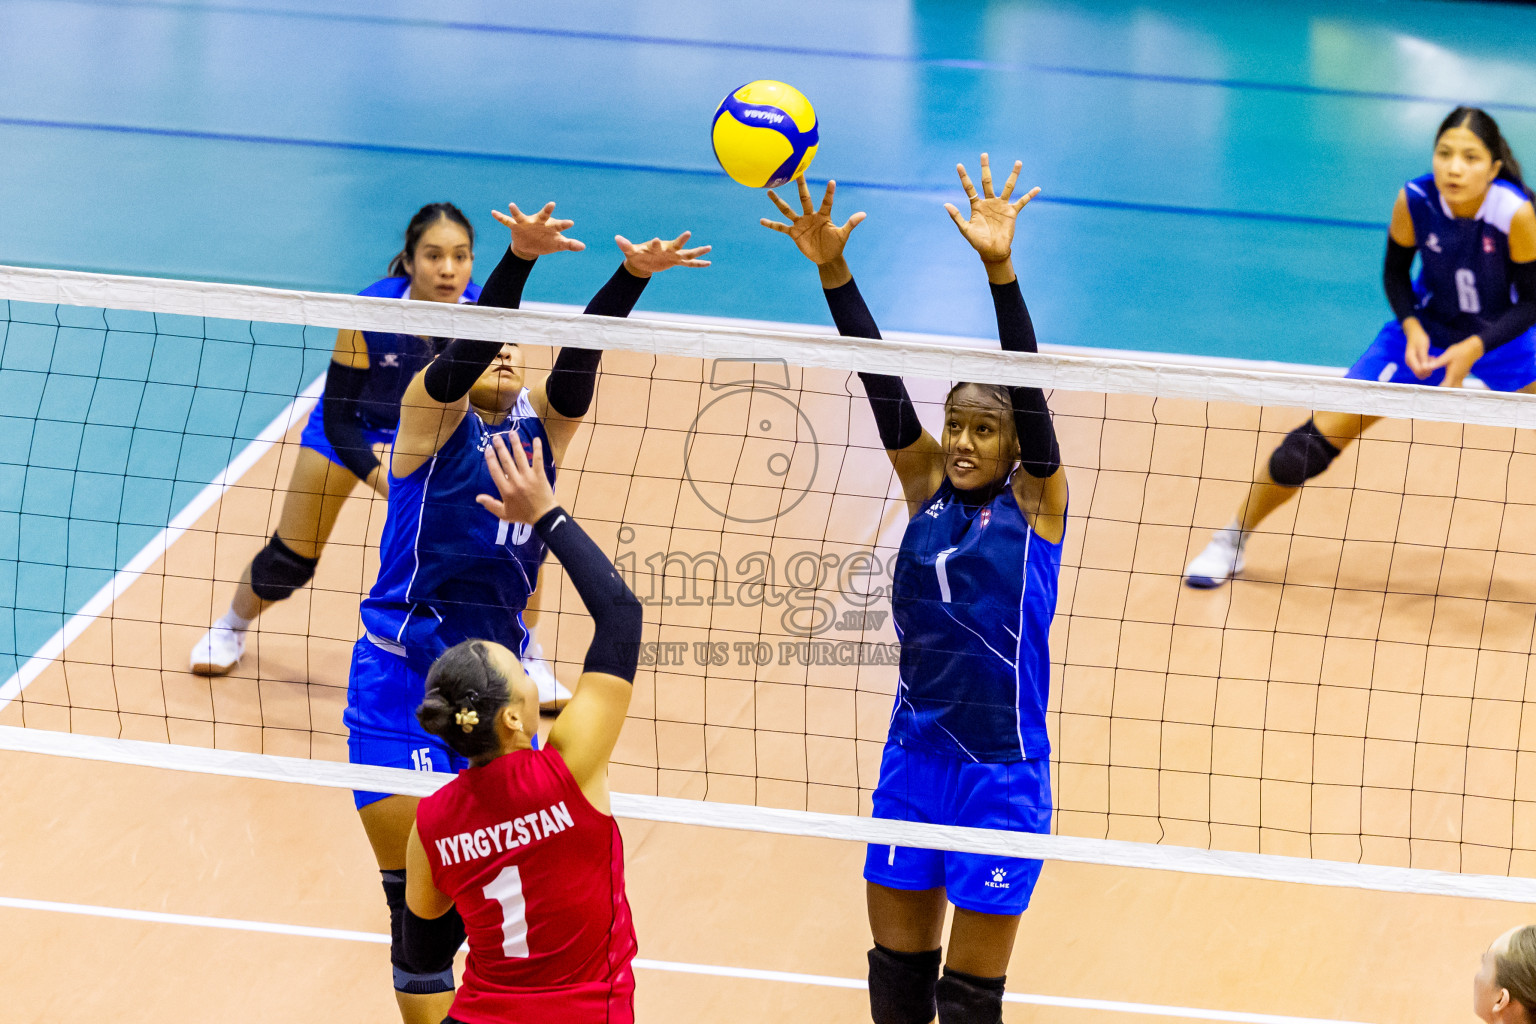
x=1349, y=711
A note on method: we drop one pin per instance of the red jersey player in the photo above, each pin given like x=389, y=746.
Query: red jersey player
x=521, y=844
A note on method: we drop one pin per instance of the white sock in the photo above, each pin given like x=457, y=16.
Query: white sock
x=235, y=621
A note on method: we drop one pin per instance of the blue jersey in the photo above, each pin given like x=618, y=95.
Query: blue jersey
x=449, y=570
x=393, y=359
x=1463, y=284
x=973, y=597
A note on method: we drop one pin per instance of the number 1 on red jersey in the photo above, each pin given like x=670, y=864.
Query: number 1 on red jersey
x=506, y=889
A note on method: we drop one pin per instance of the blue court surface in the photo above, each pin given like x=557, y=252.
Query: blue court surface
x=1216, y=180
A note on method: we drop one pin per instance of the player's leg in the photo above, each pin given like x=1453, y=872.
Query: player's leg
x=421, y=999
x=1303, y=454
x=316, y=492
x=553, y=695
x=989, y=893
x=382, y=694
x=908, y=928
x=976, y=968
x=904, y=888
x=1511, y=366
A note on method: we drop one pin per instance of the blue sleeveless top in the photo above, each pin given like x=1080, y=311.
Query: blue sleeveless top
x=973, y=597
x=449, y=570
x=393, y=359
x=1463, y=284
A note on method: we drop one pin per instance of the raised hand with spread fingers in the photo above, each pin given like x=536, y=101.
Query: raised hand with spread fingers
x=815, y=235
x=538, y=235
x=657, y=255
x=990, y=226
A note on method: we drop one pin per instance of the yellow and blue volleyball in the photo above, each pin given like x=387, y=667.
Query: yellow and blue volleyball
x=765, y=134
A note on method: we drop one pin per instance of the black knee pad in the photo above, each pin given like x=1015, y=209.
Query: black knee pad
x=966, y=999
x=901, y=985
x=1301, y=456
x=277, y=571
x=424, y=972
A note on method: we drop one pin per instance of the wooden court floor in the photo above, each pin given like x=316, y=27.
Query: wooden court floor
x=1359, y=695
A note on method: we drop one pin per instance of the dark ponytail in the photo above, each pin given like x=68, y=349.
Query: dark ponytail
x=425, y=218
x=1478, y=121
x=465, y=692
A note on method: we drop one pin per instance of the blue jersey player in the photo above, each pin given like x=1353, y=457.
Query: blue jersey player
x=449, y=569
x=1471, y=310
x=354, y=419
x=973, y=596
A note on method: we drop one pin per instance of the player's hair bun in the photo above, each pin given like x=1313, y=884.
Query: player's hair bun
x=464, y=693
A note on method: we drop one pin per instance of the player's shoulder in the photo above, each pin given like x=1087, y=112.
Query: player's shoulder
x=1505, y=199
x=387, y=288
x=471, y=294
x=1422, y=190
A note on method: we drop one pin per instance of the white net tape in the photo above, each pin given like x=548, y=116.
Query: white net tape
x=1113, y=853
x=1205, y=383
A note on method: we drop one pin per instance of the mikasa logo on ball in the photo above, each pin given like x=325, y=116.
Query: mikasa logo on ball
x=763, y=115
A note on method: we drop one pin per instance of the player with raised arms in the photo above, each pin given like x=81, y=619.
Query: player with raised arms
x=522, y=844
x=350, y=426
x=973, y=596
x=449, y=570
x=1471, y=310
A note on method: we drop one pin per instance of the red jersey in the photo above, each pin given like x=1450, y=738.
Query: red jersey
x=537, y=873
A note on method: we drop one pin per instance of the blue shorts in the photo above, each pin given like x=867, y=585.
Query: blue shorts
x=1509, y=367
x=918, y=786
x=383, y=693
x=314, y=437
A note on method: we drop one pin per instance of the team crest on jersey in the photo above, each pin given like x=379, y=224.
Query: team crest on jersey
x=1488, y=245
x=983, y=518
x=485, y=442
x=390, y=359
x=1432, y=243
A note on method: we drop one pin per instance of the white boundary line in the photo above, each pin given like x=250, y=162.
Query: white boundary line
x=1118, y=375
x=125, y=577
x=880, y=832
x=670, y=966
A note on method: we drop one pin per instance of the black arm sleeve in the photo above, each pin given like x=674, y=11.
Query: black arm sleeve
x=895, y=416
x=1039, y=453
x=343, y=386
x=504, y=288
x=616, y=613
x=1520, y=317
x=573, y=380
x=450, y=376
x=1397, y=280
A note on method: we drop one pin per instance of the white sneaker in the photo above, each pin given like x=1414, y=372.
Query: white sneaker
x=1220, y=561
x=552, y=695
x=218, y=652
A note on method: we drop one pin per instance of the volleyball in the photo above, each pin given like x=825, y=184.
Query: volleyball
x=764, y=134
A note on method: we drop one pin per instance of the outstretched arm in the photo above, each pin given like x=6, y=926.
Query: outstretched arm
x=345, y=380
x=437, y=398
x=566, y=394
x=917, y=457
x=1041, y=489
x=588, y=727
